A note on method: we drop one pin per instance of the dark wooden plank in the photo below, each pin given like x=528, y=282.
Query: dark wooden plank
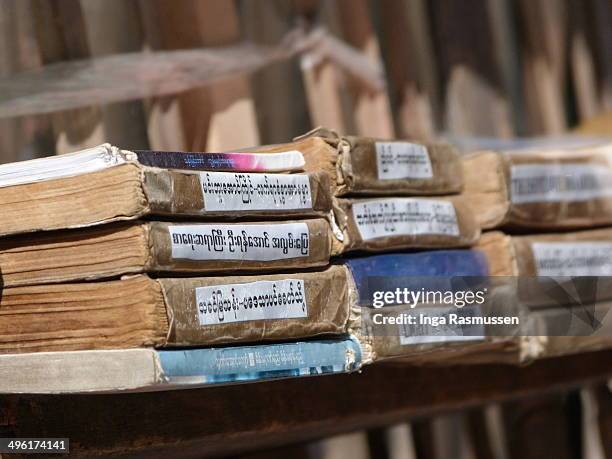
x=29, y=136
x=475, y=100
x=278, y=90
x=479, y=434
x=540, y=428
x=423, y=439
x=223, y=116
x=543, y=41
x=113, y=28
x=407, y=48
x=600, y=33
x=604, y=402
x=62, y=36
x=215, y=420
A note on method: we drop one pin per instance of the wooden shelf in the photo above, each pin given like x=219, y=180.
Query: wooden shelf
x=192, y=423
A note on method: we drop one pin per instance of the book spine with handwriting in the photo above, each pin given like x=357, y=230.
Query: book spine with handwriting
x=158, y=247
x=432, y=337
x=368, y=166
x=106, y=184
x=148, y=369
x=138, y=311
x=549, y=189
x=384, y=224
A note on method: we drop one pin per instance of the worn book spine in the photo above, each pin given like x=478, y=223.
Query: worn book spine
x=129, y=191
x=565, y=331
x=367, y=166
x=543, y=190
x=422, y=341
x=377, y=167
x=397, y=223
x=428, y=340
x=231, y=195
x=560, y=189
x=141, y=370
x=485, y=188
x=112, y=250
x=579, y=253
x=138, y=311
x=401, y=267
x=194, y=367
x=216, y=247
x=500, y=254
x=551, y=266
x=229, y=309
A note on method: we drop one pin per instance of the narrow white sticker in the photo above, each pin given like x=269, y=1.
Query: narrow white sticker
x=573, y=258
x=442, y=325
x=405, y=216
x=239, y=242
x=261, y=300
x=559, y=182
x=401, y=160
x=229, y=191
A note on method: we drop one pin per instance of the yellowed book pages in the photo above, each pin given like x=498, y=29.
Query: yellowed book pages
x=128, y=248
x=138, y=311
x=105, y=184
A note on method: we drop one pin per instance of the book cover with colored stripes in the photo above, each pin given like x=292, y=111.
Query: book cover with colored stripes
x=227, y=162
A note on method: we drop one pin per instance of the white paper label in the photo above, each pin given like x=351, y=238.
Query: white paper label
x=261, y=300
x=441, y=325
x=401, y=160
x=405, y=216
x=573, y=258
x=229, y=191
x=239, y=242
x=559, y=182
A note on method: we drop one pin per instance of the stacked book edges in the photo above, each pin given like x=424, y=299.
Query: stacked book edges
x=147, y=270
x=150, y=369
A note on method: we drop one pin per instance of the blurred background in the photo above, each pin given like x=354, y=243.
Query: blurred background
x=387, y=68
x=77, y=73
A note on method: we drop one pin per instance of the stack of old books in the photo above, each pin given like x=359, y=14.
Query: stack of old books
x=555, y=208
x=124, y=270
x=145, y=268
x=405, y=198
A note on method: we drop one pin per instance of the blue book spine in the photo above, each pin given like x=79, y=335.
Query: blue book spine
x=260, y=362
x=434, y=270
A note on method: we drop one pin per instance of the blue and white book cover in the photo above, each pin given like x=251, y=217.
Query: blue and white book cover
x=260, y=362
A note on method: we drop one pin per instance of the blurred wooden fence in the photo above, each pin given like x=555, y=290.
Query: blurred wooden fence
x=465, y=67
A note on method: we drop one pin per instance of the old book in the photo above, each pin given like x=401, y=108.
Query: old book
x=139, y=311
x=149, y=369
x=569, y=330
x=398, y=223
x=367, y=166
x=417, y=307
x=556, y=268
x=160, y=247
x=105, y=184
x=549, y=189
